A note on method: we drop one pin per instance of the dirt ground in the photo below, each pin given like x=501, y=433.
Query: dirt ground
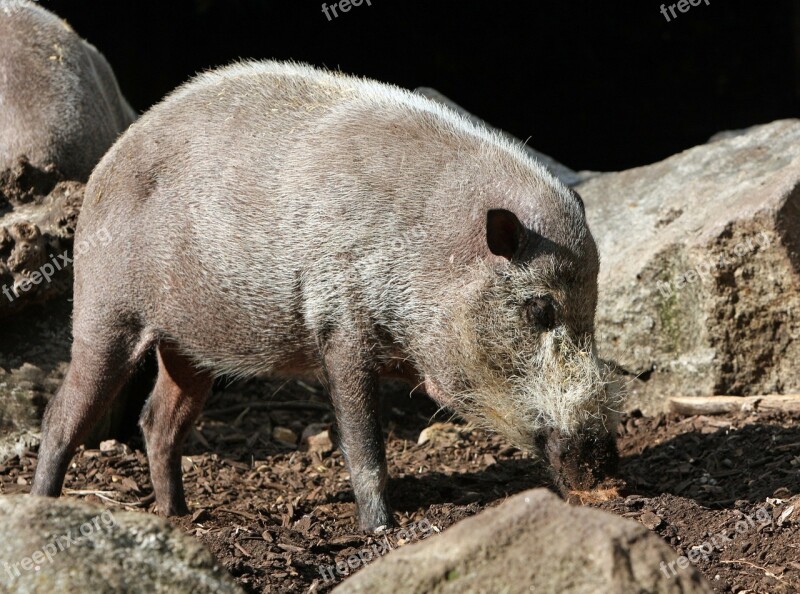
x=276, y=515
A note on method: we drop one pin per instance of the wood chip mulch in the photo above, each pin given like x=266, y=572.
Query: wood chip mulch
x=279, y=517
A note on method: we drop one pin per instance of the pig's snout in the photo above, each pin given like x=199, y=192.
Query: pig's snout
x=579, y=462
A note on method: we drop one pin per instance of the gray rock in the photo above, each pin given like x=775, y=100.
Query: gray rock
x=19, y=420
x=725, y=134
x=699, y=275
x=67, y=546
x=531, y=543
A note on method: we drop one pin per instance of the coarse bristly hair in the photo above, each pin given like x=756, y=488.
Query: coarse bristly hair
x=505, y=375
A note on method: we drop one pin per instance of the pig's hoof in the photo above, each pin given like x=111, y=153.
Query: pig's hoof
x=174, y=509
x=377, y=522
x=379, y=529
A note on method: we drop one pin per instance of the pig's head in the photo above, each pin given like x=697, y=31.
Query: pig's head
x=519, y=356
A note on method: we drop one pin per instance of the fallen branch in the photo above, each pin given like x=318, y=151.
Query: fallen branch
x=104, y=495
x=242, y=549
x=718, y=405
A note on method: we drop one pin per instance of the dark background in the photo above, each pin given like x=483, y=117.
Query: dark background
x=597, y=85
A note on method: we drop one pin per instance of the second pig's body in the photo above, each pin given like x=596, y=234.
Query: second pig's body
x=60, y=103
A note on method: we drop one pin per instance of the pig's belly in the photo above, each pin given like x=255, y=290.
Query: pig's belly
x=235, y=340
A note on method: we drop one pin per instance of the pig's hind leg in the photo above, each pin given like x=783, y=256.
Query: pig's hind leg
x=105, y=351
x=177, y=400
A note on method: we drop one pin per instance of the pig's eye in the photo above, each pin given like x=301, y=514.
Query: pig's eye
x=541, y=312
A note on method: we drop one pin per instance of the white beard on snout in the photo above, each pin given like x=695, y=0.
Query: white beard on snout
x=518, y=382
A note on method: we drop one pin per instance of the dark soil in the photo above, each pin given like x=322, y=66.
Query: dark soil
x=25, y=182
x=276, y=516
x=38, y=214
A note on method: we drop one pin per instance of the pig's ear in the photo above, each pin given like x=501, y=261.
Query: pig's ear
x=504, y=233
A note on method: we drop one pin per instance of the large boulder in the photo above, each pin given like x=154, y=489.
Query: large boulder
x=67, y=546
x=700, y=254
x=534, y=542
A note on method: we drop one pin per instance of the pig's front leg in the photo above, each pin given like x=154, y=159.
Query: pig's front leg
x=352, y=382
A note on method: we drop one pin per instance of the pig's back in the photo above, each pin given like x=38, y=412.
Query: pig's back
x=278, y=149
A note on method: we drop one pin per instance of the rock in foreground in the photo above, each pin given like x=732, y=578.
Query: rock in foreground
x=67, y=546
x=532, y=543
